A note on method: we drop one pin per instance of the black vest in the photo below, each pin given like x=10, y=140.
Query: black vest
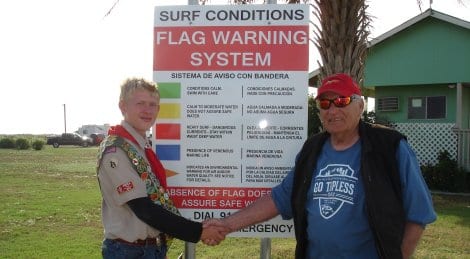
x=381, y=181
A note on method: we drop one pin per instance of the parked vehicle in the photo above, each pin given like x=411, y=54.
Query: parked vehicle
x=69, y=139
x=90, y=129
x=97, y=138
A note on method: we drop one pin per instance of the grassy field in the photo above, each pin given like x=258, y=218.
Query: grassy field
x=50, y=208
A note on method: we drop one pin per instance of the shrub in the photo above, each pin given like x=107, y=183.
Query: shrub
x=22, y=144
x=446, y=175
x=38, y=144
x=314, y=123
x=7, y=143
x=371, y=117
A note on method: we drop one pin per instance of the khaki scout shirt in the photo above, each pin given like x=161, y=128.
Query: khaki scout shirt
x=120, y=183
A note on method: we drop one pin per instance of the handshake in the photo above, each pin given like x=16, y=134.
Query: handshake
x=214, y=231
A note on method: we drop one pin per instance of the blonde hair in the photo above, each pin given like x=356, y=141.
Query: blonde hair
x=130, y=85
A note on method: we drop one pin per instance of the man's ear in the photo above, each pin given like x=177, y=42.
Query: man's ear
x=361, y=107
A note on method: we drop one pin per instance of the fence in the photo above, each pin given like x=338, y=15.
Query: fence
x=463, y=147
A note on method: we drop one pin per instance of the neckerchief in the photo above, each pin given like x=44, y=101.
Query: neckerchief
x=154, y=162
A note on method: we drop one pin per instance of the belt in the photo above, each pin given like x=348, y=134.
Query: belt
x=153, y=241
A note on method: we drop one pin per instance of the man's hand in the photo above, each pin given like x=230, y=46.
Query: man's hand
x=213, y=232
x=259, y=211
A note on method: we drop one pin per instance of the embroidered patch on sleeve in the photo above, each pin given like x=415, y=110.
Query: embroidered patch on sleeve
x=125, y=187
x=111, y=149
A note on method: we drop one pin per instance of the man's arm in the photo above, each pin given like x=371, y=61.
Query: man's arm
x=411, y=238
x=177, y=226
x=259, y=211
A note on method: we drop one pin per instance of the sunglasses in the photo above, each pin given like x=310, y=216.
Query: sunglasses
x=339, y=102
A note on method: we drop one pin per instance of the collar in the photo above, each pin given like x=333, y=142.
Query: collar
x=140, y=140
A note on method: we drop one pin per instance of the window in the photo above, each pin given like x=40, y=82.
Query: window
x=387, y=104
x=436, y=107
x=427, y=107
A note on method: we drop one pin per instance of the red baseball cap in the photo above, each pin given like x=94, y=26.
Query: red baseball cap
x=341, y=84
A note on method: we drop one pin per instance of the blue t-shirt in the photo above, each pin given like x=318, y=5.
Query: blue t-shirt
x=336, y=214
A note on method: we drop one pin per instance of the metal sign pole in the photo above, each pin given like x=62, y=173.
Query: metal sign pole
x=189, y=250
x=265, y=246
x=265, y=252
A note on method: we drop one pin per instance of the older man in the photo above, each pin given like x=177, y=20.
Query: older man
x=356, y=190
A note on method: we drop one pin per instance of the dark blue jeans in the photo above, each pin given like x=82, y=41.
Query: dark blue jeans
x=116, y=250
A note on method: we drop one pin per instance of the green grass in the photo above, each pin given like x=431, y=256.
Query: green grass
x=50, y=208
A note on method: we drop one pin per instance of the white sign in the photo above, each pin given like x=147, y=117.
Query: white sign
x=233, y=112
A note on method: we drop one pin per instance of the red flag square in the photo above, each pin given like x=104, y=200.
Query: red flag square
x=168, y=131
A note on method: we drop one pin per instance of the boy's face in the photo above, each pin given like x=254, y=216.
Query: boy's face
x=140, y=110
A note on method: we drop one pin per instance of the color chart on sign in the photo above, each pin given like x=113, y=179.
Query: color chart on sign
x=168, y=128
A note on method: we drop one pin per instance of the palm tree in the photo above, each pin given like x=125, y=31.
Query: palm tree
x=341, y=36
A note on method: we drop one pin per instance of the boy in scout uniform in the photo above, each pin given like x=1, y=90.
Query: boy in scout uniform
x=138, y=216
